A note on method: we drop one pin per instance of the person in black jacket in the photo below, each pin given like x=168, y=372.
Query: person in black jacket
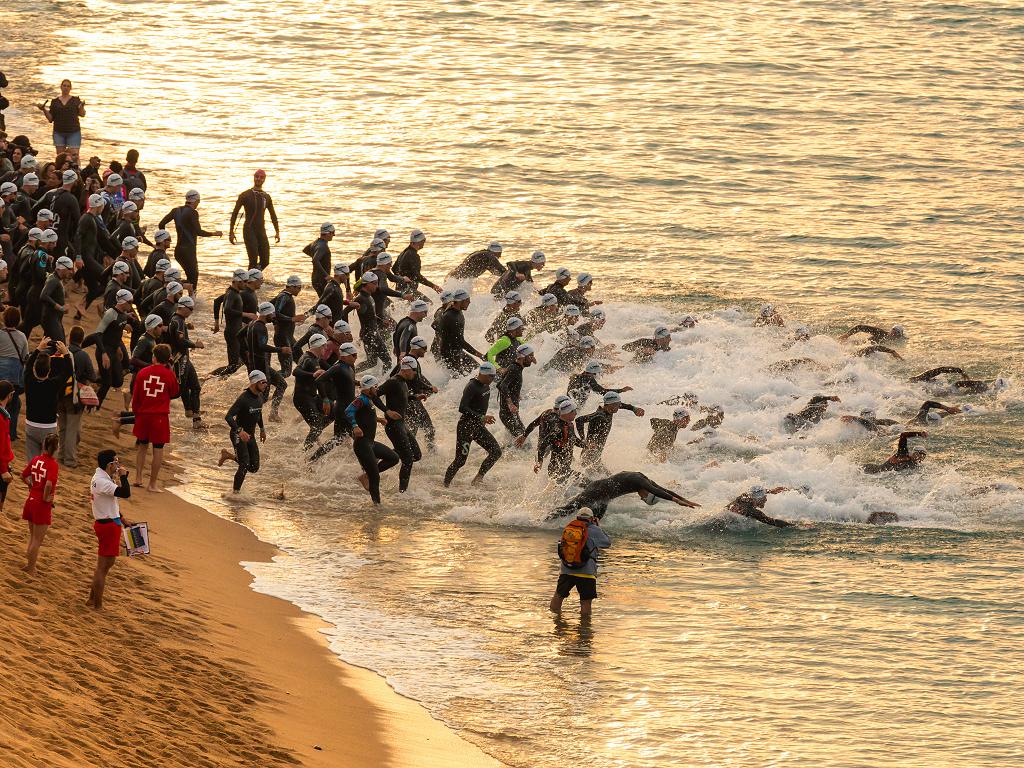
x=473, y=423
x=257, y=204
x=244, y=416
x=396, y=393
x=285, y=319
x=510, y=386
x=186, y=223
x=310, y=387
x=451, y=333
x=259, y=349
x=595, y=428
x=409, y=264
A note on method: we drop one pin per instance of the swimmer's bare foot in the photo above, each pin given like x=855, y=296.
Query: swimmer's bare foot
x=137, y=485
x=364, y=481
x=225, y=455
x=154, y=489
x=31, y=571
x=275, y=417
x=477, y=480
x=199, y=424
x=117, y=426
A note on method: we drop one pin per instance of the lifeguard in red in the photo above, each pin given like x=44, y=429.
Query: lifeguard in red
x=155, y=387
x=39, y=471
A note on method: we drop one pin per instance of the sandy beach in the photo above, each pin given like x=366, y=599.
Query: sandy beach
x=186, y=665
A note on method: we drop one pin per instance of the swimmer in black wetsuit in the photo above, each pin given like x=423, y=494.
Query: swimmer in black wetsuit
x=453, y=347
x=546, y=317
x=924, y=415
x=478, y=262
x=397, y=394
x=964, y=383
x=572, y=357
x=903, y=459
x=896, y=333
x=599, y=493
x=645, y=349
x=409, y=265
x=810, y=414
x=256, y=203
x=473, y=423
x=869, y=421
x=595, y=428
x=713, y=420
x=513, y=307
x=517, y=273
x=582, y=384
x=557, y=288
x=873, y=348
x=186, y=224
x=373, y=457
x=510, y=386
x=558, y=437
x=769, y=316
x=664, y=432
x=751, y=504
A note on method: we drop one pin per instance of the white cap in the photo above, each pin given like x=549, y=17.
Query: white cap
x=129, y=243
x=255, y=377
x=342, y=326
x=124, y=297
x=661, y=332
x=64, y=263
x=49, y=236
x=566, y=406
x=191, y=195
x=758, y=492
x=680, y=413
x=766, y=309
x=69, y=176
x=487, y=369
x=348, y=348
x=96, y=201
x=238, y=275
x=317, y=340
x=593, y=368
x=326, y=228
x=561, y=399
x=29, y=161
x=587, y=342
x=383, y=258
x=610, y=398
x=8, y=188
x=597, y=313
x=120, y=268
x=129, y=207
x=115, y=180
x=369, y=277
x=377, y=244
x=584, y=278
x=187, y=301
x=293, y=281
x=513, y=297
x=446, y=296
x=322, y=310
x=45, y=214
x=29, y=180
x=899, y=330
x=562, y=274
x=152, y=321
x=494, y=247
x=867, y=413
x=383, y=234
x=538, y=257
x=172, y=273
x=524, y=350
x=584, y=513
x=253, y=274
x=162, y=265
x=417, y=236
x=571, y=310
x=513, y=323
x=265, y=309
x=174, y=287
x=419, y=306
x=417, y=342
x=137, y=193
x=35, y=233
x=409, y=363
x=368, y=382
x=933, y=416
x=460, y=294
x=548, y=300
x=341, y=269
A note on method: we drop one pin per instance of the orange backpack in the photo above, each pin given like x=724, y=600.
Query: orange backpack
x=572, y=547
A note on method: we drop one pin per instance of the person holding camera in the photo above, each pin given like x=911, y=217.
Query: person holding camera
x=64, y=112
x=109, y=483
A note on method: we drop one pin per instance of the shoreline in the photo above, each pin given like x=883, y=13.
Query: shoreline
x=186, y=664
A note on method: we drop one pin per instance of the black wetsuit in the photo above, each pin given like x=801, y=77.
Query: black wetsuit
x=340, y=389
x=597, y=494
x=510, y=386
x=582, y=384
x=405, y=331
x=419, y=417
x=181, y=347
x=663, y=436
x=186, y=225
x=935, y=372
x=876, y=334
x=409, y=266
x=308, y=396
x=812, y=413
x=373, y=457
x=256, y=203
x=597, y=426
x=374, y=345
x=557, y=290
x=52, y=300
x=558, y=438
x=508, y=281
x=453, y=345
x=644, y=349
x=245, y=414
x=149, y=270
x=320, y=252
x=259, y=349
x=497, y=327
x=931, y=405
x=92, y=243
x=476, y=397
x=749, y=507
x=233, y=324
x=284, y=330
x=395, y=393
x=900, y=461
x=567, y=359
x=109, y=340
x=476, y=264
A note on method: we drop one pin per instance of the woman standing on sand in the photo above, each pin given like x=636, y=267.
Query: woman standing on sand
x=40, y=475
x=64, y=112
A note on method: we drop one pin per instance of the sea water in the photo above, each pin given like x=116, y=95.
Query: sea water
x=845, y=161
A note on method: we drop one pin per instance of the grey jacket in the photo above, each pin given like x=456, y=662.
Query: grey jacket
x=597, y=539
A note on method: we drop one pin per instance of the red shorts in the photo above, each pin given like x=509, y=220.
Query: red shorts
x=152, y=428
x=109, y=535
x=37, y=512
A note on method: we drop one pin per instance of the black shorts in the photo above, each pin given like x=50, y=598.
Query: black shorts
x=587, y=587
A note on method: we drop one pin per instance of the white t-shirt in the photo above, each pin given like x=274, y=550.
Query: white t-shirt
x=104, y=502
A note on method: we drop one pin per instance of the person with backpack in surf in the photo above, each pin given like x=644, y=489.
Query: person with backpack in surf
x=578, y=551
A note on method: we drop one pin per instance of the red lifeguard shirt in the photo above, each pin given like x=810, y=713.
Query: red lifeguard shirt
x=155, y=387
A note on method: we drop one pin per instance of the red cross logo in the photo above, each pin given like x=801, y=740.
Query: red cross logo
x=153, y=385
x=38, y=471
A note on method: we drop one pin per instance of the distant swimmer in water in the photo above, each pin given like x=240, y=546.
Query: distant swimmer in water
x=882, y=518
x=768, y=316
x=572, y=357
x=582, y=384
x=929, y=412
x=645, y=349
x=812, y=413
x=801, y=333
x=877, y=348
x=597, y=494
x=594, y=429
x=896, y=333
x=664, y=431
x=485, y=260
x=751, y=504
x=934, y=373
x=578, y=295
x=688, y=322
x=964, y=383
x=713, y=420
x=782, y=366
x=869, y=421
x=903, y=459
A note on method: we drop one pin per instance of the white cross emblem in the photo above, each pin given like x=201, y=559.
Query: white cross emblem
x=153, y=385
x=38, y=471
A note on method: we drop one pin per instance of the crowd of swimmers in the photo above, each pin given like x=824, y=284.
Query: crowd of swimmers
x=353, y=353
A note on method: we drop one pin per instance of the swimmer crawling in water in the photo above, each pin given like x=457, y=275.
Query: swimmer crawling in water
x=896, y=333
x=903, y=459
x=965, y=383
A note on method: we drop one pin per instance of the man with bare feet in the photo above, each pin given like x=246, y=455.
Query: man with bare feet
x=109, y=483
x=155, y=387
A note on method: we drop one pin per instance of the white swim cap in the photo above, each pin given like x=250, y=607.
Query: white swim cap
x=69, y=176
x=419, y=306
x=587, y=342
x=417, y=342
x=513, y=323
x=368, y=381
x=342, y=326
x=62, y=263
x=254, y=274
x=758, y=492
x=96, y=201
x=409, y=363
x=255, y=377
x=341, y=269
x=326, y=228
x=293, y=281
x=187, y=301
x=460, y=294
x=160, y=235
x=593, y=368
x=610, y=398
x=152, y=321
x=417, y=236
x=174, y=287
x=538, y=257
x=524, y=350
x=487, y=369
x=191, y=196
x=317, y=340
x=571, y=310
x=513, y=297
x=562, y=274
x=137, y=193
x=584, y=278
x=8, y=188
x=369, y=277
x=446, y=296
x=129, y=207
x=265, y=309
x=172, y=273
x=494, y=247
x=661, y=332
x=120, y=268
x=383, y=258
x=48, y=236
x=548, y=300
x=348, y=348
x=679, y=414
x=597, y=313
x=45, y=214
x=129, y=243
x=566, y=406
x=124, y=297
x=114, y=180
